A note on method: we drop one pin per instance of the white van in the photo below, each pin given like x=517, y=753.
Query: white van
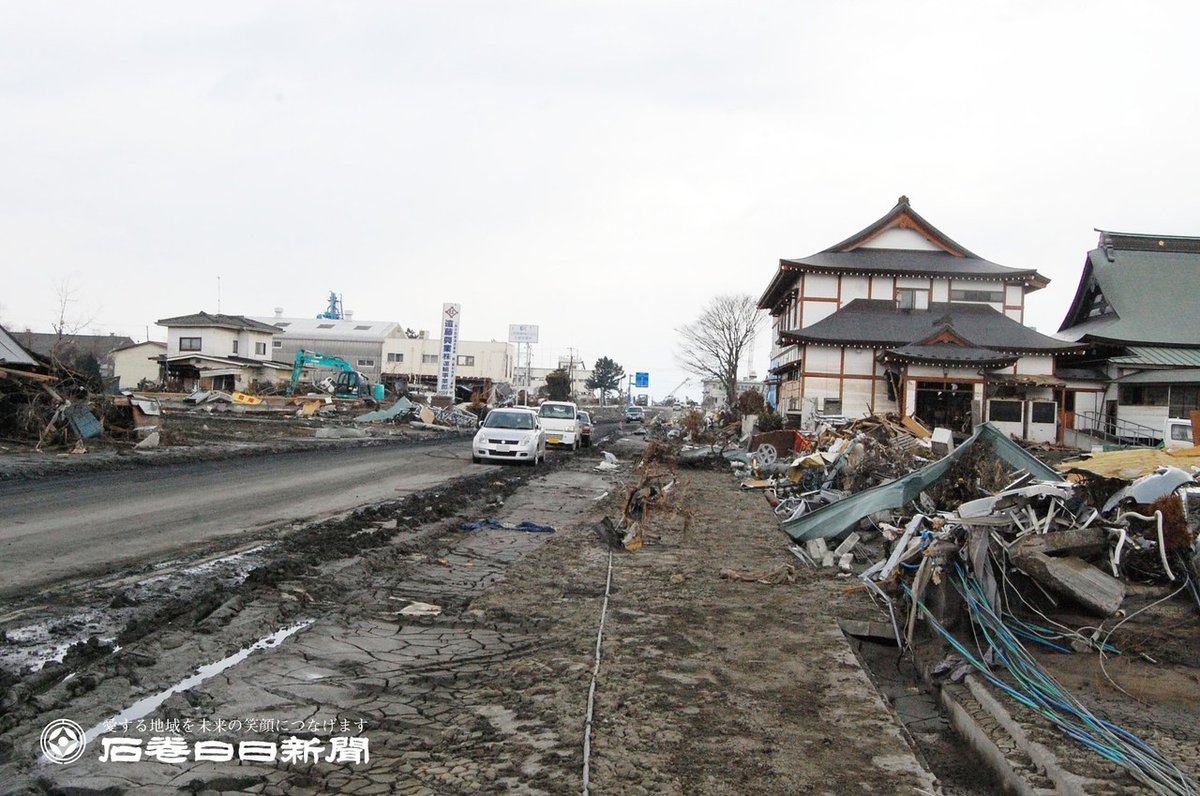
x=560, y=420
x=1177, y=433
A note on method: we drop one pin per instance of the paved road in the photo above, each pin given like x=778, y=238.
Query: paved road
x=60, y=528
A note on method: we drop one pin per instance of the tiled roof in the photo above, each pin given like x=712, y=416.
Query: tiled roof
x=206, y=320
x=1150, y=292
x=878, y=323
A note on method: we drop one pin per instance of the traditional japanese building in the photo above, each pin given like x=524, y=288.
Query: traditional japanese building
x=900, y=318
x=1136, y=312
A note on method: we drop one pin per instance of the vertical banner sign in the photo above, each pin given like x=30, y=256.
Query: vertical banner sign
x=450, y=317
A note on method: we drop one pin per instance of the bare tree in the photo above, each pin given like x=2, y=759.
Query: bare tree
x=713, y=344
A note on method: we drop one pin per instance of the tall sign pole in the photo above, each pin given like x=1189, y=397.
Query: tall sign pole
x=526, y=333
x=446, y=373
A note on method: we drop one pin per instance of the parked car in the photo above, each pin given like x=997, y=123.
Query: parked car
x=560, y=420
x=585, y=429
x=634, y=414
x=1177, y=433
x=510, y=435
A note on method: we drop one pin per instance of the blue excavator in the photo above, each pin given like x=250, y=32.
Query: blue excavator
x=348, y=384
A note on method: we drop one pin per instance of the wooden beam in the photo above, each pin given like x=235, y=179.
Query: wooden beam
x=23, y=374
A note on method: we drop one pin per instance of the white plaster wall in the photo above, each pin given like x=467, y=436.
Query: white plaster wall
x=819, y=286
x=213, y=342
x=1035, y=365
x=818, y=311
x=855, y=287
x=856, y=398
x=860, y=361
x=913, y=281
x=823, y=359
x=132, y=365
x=1014, y=295
x=882, y=288
x=941, y=290
x=1014, y=314
x=899, y=238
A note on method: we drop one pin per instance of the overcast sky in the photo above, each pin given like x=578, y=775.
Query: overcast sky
x=600, y=169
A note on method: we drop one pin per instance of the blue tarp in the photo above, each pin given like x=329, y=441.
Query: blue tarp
x=529, y=527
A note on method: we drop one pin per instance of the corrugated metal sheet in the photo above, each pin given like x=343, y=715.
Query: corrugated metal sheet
x=1177, y=376
x=1147, y=355
x=11, y=352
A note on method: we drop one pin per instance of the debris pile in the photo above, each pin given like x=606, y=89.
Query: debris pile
x=989, y=534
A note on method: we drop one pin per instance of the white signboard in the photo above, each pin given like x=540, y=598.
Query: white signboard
x=450, y=317
x=522, y=333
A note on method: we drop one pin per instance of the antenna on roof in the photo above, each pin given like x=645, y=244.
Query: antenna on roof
x=218, y=295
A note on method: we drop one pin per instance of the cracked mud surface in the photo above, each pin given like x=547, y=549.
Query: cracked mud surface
x=705, y=685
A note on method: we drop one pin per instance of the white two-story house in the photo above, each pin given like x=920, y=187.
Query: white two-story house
x=900, y=318
x=220, y=352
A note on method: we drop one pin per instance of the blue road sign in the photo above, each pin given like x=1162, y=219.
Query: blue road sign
x=641, y=379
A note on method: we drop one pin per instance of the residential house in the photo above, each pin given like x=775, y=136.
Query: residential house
x=899, y=317
x=136, y=363
x=221, y=352
x=75, y=351
x=1135, y=310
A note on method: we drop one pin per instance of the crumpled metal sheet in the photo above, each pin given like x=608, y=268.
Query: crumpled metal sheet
x=836, y=519
x=1150, y=488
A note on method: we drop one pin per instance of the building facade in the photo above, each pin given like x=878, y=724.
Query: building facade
x=1136, y=313
x=140, y=362
x=900, y=318
x=220, y=352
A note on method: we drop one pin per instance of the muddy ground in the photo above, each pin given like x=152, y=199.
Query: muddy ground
x=465, y=659
x=705, y=685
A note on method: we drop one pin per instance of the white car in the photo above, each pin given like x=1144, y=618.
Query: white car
x=510, y=435
x=560, y=420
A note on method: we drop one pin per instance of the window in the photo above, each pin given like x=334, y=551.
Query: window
x=990, y=296
x=366, y=363
x=324, y=325
x=394, y=357
x=1184, y=399
x=905, y=298
x=189, y=343
x=429, y=359
x=362, y=328
x=260, y=349
x=235, y=346
x=1143, y=395
x=466, y=361
x=282, y=324
x=831, y=406
x=1042, y=412
x=1181, y=431
x=1005, y=411
x=277, y=344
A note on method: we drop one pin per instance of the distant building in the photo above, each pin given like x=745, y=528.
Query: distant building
x=67, y=349
x=220, y=352
x=713, y=391
x=578, y=373
x=1135, y=310
x=900, y=318
x=361, y=343
x=132, y=364
x=383, y=352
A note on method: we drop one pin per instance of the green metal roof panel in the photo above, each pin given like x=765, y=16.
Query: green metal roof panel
x=1149, y=355
x=1152, y=295
x=1173, y=376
